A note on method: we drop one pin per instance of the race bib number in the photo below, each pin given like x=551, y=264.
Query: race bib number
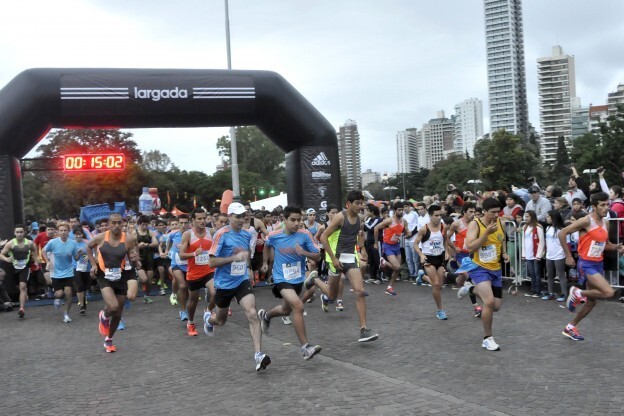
x=81, y=265
x=238, y=268
x=595, y=249
x=202, y=259
x=19, y=264
x=437, y=248
x=395, y=238
x=347, y=258
x=112, y=274
x=487, y=254
x=291, y=271
x=178, y=260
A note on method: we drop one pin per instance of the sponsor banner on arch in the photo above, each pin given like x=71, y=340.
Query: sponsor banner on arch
x=320, y=178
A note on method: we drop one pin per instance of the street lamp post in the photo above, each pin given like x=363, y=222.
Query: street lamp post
x=233, y=150
x=474, y=183
x=591, y=172
x=390, y=188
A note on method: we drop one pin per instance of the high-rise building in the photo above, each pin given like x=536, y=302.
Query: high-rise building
x=580, y=121
x=468, y=125
x=556, y=86
x=349, y=152
x=614, y=98
x=436, y=140
x=504, y=41
x=407, y=151
x=369, y=177
x=597, y=114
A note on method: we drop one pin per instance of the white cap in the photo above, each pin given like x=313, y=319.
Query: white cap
x=236, y=208
x=310, y=211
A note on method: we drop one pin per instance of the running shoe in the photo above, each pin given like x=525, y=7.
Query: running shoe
x=464, y=290
x=183, y=316
x=305, y=313
x=83, y=310
x=121, y=326
x=57, y=303
x=20, y=314
x=490, y=345
x=308, y=283
x=262, y=361
x=367, y=335
x=173, y=299
x=147, y=299
x=108, y=346
x=575, y=298
x=50, y=294
x=264, y=322
x=286, y=320
x=66, y=319
x=162, y=291
x=339, y=305
x=548, y=296
x=191, y=330
x=104, y=324
x=208, y=328
x=419, y=278
x=325, y=303
x=441, y=315
x=310, y=351
x=478, y=310
x=561, y=298
x=312, y=299
x=390, y=291
x=573, y=334
x=229, y=311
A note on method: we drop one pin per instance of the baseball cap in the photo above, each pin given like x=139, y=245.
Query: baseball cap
x=310, y=211
x=533, y=188
x=236, y=208
x=34, y=225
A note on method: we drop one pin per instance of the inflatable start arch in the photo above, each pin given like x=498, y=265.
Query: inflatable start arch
x=40, y=99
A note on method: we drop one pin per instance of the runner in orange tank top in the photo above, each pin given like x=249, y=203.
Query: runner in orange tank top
x=393, y=228
x=194, y=246
x=593, y=231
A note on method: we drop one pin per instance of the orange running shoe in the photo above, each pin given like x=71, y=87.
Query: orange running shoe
x=108, y=346
x=191, y=330
x=104, y=324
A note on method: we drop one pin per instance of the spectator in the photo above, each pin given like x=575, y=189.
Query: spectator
x=575, y=183
x=560, y=205
x=577, y=207
x=533, y=251
x=555, y=257
x=538, y=203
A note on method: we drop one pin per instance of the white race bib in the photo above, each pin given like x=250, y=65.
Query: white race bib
x=19, y=264
x=112, y=274
x=437, y=248
x=81, y=265
x=178, y=260
x=487, y=254
x=202, y=259
x=291, y=271
x=595, y=249
x=238, y=268
x=347, y=258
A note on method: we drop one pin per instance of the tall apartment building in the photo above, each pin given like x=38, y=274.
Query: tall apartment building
x=369, y=177
x=349, y=153
x=436, y=140
x=556, y=86
x=616, y=97
x=597, y=114
x=580, y=121
x=468, y=125
x=504, y=41
x=407, y=151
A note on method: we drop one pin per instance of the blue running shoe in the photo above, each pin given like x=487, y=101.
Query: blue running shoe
x=441, y=315
x=183, y=316
x=121, y=325
x=208, y=328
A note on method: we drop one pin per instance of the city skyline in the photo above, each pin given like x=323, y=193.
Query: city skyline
x=391, y=71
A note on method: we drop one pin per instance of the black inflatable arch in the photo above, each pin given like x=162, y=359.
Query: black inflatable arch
x=40, y=99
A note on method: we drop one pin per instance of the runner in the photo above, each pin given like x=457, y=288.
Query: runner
x=114, y=248
x=178, y=266
x=18, y=253
x=82, y=269
x=229, y=255
x=165, y=253
x=393, y=228
x=487, y=243
x=291, y=246
x=160, y=262
x=593, y=230
x=458, y=249
x=194, y=247
x=430, y=246
x=58, y=254
x=339, y=240
x=147, y=242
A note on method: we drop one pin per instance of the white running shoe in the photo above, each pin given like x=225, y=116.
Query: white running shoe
x=286, y=320
x=66, y=319
x=490, y=345
x=464, y=290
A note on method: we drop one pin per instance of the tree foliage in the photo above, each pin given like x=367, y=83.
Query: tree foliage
x=456, y=170
x=155, y=160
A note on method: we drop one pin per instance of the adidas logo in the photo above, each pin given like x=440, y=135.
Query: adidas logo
x=321, y=160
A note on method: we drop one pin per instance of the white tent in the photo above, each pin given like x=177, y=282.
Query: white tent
x=270, y=203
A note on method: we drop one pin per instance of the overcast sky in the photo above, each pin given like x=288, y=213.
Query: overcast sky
x=388, y=65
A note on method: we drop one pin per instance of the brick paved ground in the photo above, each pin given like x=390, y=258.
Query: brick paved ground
x=419, y=366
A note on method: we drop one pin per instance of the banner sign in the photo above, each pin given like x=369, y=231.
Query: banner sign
x=92, y=213
x=320, y=169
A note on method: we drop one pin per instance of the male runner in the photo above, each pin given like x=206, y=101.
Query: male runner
x=229, y=255
x=339, y=240
x=58, y=254
x=194, y=247
x=593, y=240
x=291, y=246
x=486, y=241
x=393, y=228
x=178, y=265
x=430, y=246
x=147, y=243
x=114, y=249
x=18, y=253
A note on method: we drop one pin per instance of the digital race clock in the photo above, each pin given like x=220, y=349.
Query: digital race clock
x=94, y=163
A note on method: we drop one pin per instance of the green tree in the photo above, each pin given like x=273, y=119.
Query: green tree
x=155, y=160
x=456, y=170
x=611, y=135
x=561, y=168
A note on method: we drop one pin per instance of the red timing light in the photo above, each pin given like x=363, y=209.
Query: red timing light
x=107, y=162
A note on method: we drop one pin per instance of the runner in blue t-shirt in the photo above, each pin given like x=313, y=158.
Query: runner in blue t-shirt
x=229, y=255
x=59, y=254
x=178, y=266
x=291, y=246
